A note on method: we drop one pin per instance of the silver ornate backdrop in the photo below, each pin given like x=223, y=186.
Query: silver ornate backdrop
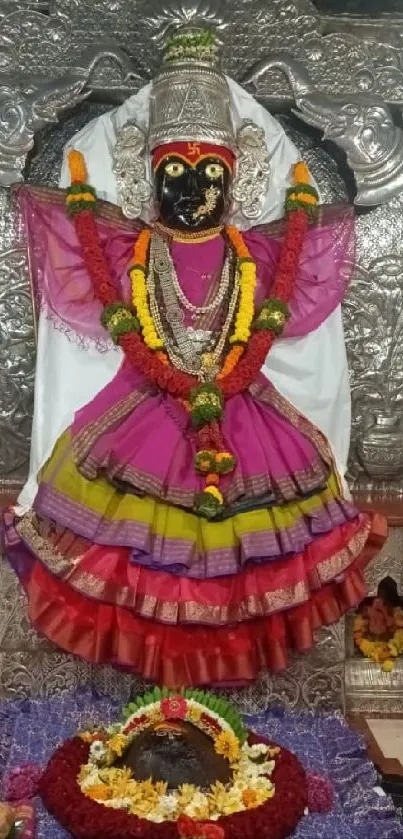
x=64, y=61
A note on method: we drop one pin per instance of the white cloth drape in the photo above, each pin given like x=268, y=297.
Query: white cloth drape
x=311, y=372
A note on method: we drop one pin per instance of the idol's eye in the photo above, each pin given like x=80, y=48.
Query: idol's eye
x=214, y=171
x=174, y=169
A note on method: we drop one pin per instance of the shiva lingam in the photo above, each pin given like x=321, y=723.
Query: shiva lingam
x=177, y=753
x=176, y=765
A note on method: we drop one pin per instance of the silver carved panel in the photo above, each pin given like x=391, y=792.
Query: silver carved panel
x=340, y=82
x=38, y=37
x=373, y=327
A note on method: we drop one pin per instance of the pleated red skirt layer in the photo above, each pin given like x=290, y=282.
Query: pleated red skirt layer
x=183, y=655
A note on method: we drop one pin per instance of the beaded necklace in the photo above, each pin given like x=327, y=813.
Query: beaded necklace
x=184, y=351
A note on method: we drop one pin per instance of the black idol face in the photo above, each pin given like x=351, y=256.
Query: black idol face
x=192, y=198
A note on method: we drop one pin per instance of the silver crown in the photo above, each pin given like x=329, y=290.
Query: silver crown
x=190, y=99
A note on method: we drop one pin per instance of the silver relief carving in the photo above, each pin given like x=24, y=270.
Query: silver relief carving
x=26, y=107
x=17, y=367
x=130, y=170
x=361, y=125
x=35, y=43
x=373, y=330
x=253, y=170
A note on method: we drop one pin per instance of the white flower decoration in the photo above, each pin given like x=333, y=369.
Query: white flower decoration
x=257, y=750
x=98, y=751
x=168, y=805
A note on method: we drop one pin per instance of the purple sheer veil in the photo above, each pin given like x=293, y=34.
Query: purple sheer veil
x=61, y=285
x=63, y=289
x=325, y=268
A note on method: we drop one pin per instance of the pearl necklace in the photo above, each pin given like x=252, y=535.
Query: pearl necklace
x=190, y=307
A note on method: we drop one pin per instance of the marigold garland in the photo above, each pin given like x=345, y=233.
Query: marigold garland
x=246, y=268
x=250, y=342
x=77, y=167
x=137, y=274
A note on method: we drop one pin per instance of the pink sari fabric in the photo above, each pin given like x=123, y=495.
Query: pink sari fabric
x=119, y=435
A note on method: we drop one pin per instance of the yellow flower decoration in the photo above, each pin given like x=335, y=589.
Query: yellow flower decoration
x=384, y=653
x=199, y=808
x=301, y=173
x=193, y=714
x=227, y=745
x=80, y=196
x=140, y=294
x=226, y=801
x=255, y=797
x=244, y=318
x=86, y=736
x=7, y=821
x=77, y=167
x=187, y=793
x=140, y=303
x=215, y=492
x=118, y=743
x=251, y=786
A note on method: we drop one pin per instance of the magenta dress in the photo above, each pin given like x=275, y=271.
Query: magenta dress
x=116, y=564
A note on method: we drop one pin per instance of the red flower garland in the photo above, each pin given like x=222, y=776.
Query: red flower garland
x=161, y=374
x=260, y=343
x=86, y=819
x=165, y=376
x=191, y=829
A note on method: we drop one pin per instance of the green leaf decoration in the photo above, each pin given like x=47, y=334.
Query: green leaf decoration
x=217, y=704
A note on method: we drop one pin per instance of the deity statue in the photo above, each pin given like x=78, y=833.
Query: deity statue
x=191, y=522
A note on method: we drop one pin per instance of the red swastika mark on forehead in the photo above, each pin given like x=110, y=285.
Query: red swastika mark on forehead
x=194, y=150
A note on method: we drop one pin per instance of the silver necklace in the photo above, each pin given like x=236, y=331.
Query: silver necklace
x=187, y=346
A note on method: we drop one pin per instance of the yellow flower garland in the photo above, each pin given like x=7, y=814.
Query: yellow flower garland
x=140, y=295
x=247, y=286
x=251, y=786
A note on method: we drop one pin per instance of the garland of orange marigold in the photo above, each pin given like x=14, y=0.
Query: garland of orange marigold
x=133, y=327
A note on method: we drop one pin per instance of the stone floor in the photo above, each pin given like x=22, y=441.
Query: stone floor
x=388, y=734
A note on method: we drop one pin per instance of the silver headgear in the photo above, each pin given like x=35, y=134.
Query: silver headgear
x=190, y=98
x=190, y=101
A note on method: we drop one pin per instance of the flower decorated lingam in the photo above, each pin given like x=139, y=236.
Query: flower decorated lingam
x=175, y=765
